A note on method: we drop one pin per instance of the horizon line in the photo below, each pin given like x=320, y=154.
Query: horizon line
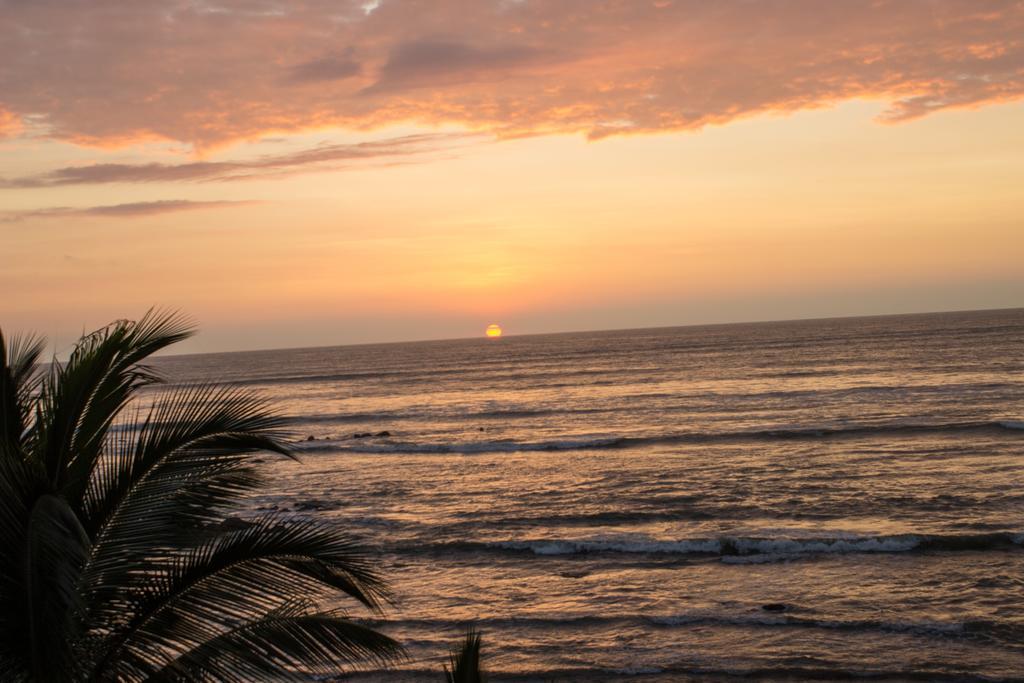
x=594, y=331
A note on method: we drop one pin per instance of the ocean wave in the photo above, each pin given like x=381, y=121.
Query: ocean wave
x=924, y=628
x=603, y=441
x=866, y=430
x=358, y=418
x=675, y=674
x=433, y=415
x=382, y=445
x=513, y=413
x=490, y=372
x=739, y=549
x=754, y=617
x=627, y=516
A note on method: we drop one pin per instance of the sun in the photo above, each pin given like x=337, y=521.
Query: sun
x=493, y=331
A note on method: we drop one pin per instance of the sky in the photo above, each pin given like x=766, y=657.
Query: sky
x=333, y=171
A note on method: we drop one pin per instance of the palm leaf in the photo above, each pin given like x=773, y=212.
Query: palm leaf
x=234, y=578
x=115, y=559
x=186, y=436
x=285, y=645
x=18, y=381
x=20, y=486
x=466, y=662
x=56, y=551
x=81, y=398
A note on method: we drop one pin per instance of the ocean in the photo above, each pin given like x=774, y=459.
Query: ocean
x=818, y=499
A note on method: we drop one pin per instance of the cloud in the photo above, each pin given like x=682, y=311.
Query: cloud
x=329, y=156
x=429, y=63
x=327, y=68
x=211, y=74
x=10, y=124
x=129, y=210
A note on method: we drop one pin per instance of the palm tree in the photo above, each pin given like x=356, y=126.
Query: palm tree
x=118, y=556
x=466, y=662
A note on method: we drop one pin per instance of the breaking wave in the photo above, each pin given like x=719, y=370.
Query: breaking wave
x=757, y=549
x=593, y=442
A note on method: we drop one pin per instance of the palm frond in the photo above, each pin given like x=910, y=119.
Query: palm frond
x=56, y=551
x=233, y=578
x=184, y=463
x=285, y=645
x=116, y=561
x=18, y=381
x=465, y=662
x=20, y=487
x=81, y=398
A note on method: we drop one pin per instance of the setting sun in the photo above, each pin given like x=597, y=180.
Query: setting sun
x=493, y=330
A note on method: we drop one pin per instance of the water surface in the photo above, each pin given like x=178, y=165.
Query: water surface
x=624, y=504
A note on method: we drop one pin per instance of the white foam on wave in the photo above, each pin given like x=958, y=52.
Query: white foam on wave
x=388, y=445
x=755, y=559
x=384, y=445
x=557, y=547
x=703, y=617
x=763, y=549
x=738, y=550
x=878, y=544
x=754, y=619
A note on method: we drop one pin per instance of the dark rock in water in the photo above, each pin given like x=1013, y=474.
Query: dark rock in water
x=313, y=504
x=361, y=435
x=774, y=607
x=234, y=524
x=310, y=438
x=384, y=433
x=575, y=574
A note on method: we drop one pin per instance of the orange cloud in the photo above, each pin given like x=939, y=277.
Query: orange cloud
x=319, y=158
x=128, y=210
x=10, y=124
x=212, y=74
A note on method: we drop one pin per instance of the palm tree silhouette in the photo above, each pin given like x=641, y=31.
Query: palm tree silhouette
x=465, y=662
x=119, y=558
